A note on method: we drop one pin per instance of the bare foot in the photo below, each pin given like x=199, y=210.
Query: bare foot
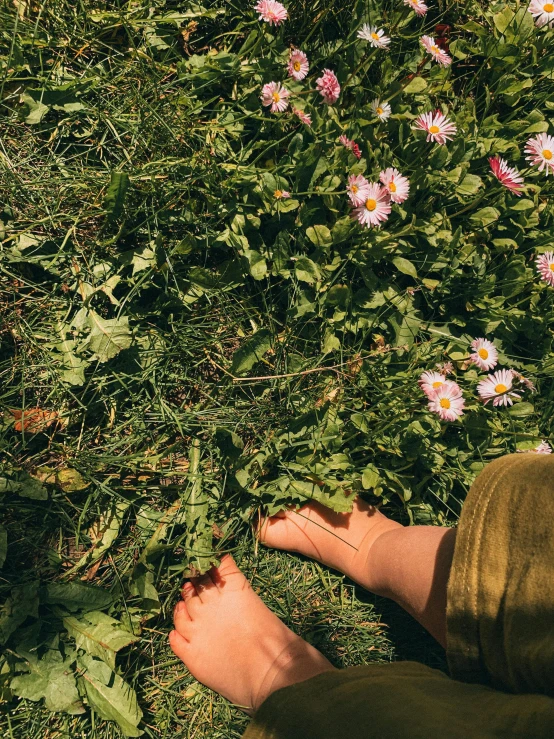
x=340, y=540
x=234, y=644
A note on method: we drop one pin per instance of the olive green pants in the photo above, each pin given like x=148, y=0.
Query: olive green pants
x=500, y=643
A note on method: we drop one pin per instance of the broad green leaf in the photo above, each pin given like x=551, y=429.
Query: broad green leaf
x=257, y=264
x=307, y=270
x=521, y=410
x=319, y=235
x=336, y=500
x=405, y=266
x=229, y=443
x=99, y=635
x=108, y=336
x=469, y=185
x=22, y=603
x=51, y=678
x=485, y=216
x=331, y=343
x=370, y=477
x=251, y=352
x=75, y=596
x=110, y=696
x=36, y=109
x=417, y=84
x=523, y=204
x=115, y=194
x=503, y=19
x=31, y=488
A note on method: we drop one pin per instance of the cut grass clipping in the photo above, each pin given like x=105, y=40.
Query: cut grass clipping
x=194, y=328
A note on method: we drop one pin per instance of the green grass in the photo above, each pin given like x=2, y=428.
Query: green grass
x=136, y=181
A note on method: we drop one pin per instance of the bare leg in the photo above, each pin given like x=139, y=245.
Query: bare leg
x=410, y=565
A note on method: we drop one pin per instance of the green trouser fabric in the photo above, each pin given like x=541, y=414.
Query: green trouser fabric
x=500, y=624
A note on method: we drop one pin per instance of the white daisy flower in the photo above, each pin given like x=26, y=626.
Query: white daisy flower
x=376, y=208
x=439, y=128
x=541, y=150
x=497, y=387
x=545, y=266
x=375, y=36
x=485, y=354
x=440, y=56
x=381, y=110
x=396, y=184
x=358, y=189
x=542, y=11
x=430, y=381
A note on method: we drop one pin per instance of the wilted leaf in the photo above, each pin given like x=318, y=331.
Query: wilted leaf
x=66, y=478
x=34, y=420
x=50, y=677
x=110, y=696
x=251, y=352
x=99, y=635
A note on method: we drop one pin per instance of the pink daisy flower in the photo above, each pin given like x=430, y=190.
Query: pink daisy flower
x=376, y=208
x=298, y=66
x=485, y=354
x=543, y=448
x=306, y=118
x=542, y=11
x=440, y=56
x=439, y=128
x=418, y=6
x=447, y=401
x=497, y=387
x=281, y=194
x=328, y=86
x=545, y=266
x=271, y=12
x=541, y=150
x=507, y=176
x=358, y=189
x=375, y=36
x=445, y=369
x=276, y=95
x=397, y=185
x=352, y=145
x=431, y=381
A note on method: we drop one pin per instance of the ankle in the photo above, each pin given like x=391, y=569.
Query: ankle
x=371, y=569
x=296, y=663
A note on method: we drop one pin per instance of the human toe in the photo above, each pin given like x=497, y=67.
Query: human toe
x=182, y=619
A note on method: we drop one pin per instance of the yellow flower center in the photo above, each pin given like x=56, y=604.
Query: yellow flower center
x=276, y=97
x=500, y=388
x=379, y=111
x=354, y=189
x=434, y=129
x=551, y=266
x=435, y=49
x=375, y=36
x=483, y=353
x=278, y=194
x=437, y=384
x=445, y=403
x=547, y=154
x=370, y=204
x=548, y=8
x=392, y=186
x=296, y=66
